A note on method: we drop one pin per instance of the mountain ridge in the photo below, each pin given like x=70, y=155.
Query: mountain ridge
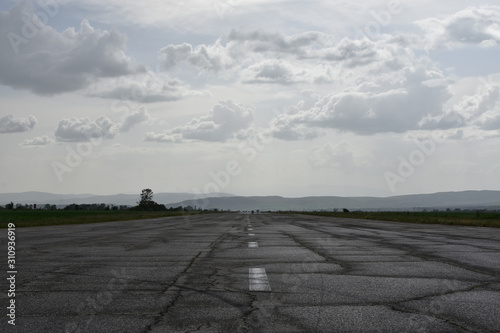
x=455, y=199
x=460, y=199
x=41, y=198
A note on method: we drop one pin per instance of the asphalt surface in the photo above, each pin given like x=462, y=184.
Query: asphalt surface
x=255, y=273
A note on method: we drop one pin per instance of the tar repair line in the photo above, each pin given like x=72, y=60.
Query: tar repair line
x=253, y=244
x=258, y=280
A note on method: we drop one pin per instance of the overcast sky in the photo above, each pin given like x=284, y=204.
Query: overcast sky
x=250, y=97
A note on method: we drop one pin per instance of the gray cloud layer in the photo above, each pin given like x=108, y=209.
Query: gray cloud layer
x=36, y=57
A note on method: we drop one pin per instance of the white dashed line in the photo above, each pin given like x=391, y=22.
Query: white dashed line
x=253, y=244
x=250, y=229
x=258, y=280
x=251, y=234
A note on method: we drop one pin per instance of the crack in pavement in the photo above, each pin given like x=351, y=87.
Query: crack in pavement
x=182, y=287
x=165, y=310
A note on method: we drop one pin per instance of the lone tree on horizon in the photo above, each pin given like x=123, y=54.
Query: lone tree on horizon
x=146, y=198
x=147, y=202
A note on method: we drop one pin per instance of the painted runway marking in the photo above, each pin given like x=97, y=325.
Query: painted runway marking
x=250, y=229
x=251, y=234
x=253, y=244
x=258, y=280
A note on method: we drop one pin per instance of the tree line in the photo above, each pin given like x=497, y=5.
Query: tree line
x=145, y=203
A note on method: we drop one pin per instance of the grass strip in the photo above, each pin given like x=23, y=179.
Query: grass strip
x=38, y=218
x=476, y=219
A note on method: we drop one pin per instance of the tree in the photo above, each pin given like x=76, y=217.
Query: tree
x=10, y=205
x=147, y=202
x=146, y=198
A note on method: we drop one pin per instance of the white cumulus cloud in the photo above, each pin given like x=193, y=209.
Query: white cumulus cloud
x=211, y=58
x=368, y=109
x=83, y=129
x=9, y=124
x=38, y=141
x=471, y=26
x=222, y=123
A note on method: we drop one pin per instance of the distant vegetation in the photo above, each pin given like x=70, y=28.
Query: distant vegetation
x=465, y=218
x=31, y=215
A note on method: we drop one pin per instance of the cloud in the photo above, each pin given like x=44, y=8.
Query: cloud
x=260, y=41
x=354, y=52
x=480, y=110
x=272, y=72
x=9, y=124
x=172, y=55
x=222, y=123
x=370, y=108
x=40, y=59
x=471, y=26
x=133, y=119
x=482, y=101
x=83, y=129
x=490, y=122
x=444, y=121
x=242, y=49
x=211, y=58
x=38, y=141
x=258, y=57
x=145, y=88
x=283, y=126
x=195, y=17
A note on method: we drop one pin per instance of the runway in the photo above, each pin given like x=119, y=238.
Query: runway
x=237, y=272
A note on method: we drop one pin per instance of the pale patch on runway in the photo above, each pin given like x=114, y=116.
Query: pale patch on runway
x=258, y=279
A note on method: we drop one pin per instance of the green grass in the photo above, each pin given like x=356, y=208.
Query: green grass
x=36, y=218
x=483, y=219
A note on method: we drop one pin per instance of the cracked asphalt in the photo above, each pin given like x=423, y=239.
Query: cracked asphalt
x=191, y=274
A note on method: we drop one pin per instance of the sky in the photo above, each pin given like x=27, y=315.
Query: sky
x=249, y=97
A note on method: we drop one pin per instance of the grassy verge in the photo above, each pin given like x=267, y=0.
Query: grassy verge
x=481, y=219
x=36, y=218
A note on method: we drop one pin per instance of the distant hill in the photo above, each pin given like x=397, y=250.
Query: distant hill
x=41, y=198
x=443, y=200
